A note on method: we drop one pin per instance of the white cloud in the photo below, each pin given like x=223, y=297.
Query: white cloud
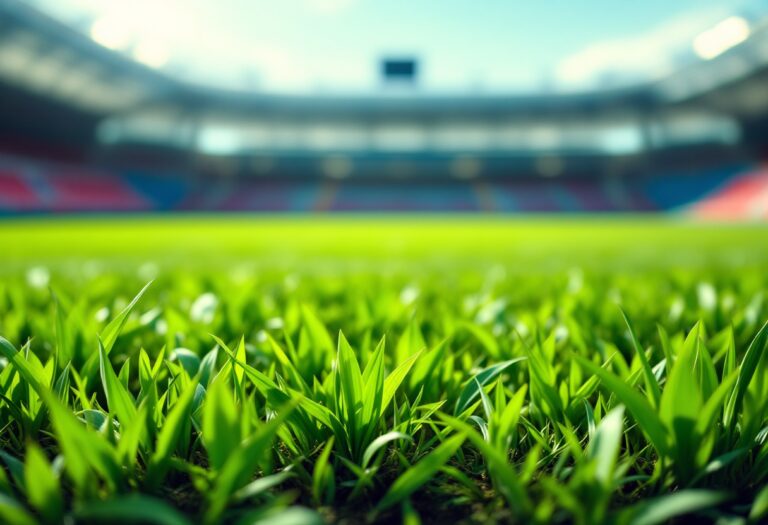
x=728, y=33
x=638, y=57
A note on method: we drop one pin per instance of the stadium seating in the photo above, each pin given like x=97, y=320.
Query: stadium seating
x=742, y=197
x=93, y=192
x=268, y=195
x=34, y=186
x=16, y=194
x=681, y=188
x=403, y=197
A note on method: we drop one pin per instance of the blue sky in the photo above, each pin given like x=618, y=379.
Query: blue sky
x=462, y=45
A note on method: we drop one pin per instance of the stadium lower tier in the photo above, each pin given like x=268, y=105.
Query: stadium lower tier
x=732, y=192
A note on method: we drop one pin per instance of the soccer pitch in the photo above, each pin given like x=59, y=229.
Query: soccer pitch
x=368, y=368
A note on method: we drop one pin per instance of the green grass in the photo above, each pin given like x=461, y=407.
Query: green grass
x=356, y=369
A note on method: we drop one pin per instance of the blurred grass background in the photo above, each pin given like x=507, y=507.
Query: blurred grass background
x=206, y=239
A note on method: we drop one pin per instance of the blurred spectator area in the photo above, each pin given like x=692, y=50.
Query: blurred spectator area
x=29, y=186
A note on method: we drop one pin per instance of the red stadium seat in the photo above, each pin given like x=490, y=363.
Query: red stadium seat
x=16, y=194
x=744, y=197
x=92, y=191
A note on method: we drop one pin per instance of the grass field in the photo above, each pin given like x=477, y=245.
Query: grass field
x=355, y=369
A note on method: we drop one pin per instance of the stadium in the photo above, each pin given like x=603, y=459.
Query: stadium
x=113, y=134
x=327, y=261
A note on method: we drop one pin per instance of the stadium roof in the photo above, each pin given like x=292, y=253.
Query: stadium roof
x=330, y=47
x=152, y=103
x=44, y=54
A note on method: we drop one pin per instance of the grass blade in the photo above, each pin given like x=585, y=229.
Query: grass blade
x=638, y=406
x=413, y=478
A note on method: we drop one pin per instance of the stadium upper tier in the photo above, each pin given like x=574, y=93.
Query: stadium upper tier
x=125, y=102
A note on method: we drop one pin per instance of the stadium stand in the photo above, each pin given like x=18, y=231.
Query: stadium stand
x=16, y=194
x=452, y=197
x=33, y=186
x=741, y=197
